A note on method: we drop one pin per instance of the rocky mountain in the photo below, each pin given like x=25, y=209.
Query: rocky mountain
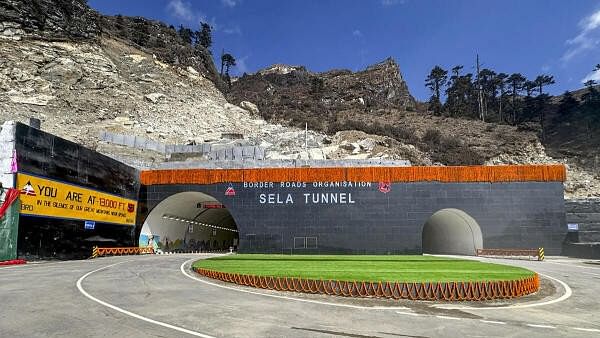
x=574, y=134
x=162, y=41
x=296, y=95
x=73, y=20
x=81, y=87
x=85, y=75
x=376, y=101
x=48, y=19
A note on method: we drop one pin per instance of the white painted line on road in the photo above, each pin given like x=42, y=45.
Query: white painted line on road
x=288, y=298
x=566, y=295
x=30, y=265
x=492, y=322
x=586, y=330
x=579, y=266
x=448, y=317
x=408, y=313
x=574, y=265
x=129, y=313
x=542, y=326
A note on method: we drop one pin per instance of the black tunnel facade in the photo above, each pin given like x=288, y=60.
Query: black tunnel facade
x=358, y=218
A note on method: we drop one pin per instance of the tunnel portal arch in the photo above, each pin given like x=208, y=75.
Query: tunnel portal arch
x=451, y=231
x=189, y=221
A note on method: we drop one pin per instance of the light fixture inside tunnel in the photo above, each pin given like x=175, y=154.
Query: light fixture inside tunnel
x=190, y=221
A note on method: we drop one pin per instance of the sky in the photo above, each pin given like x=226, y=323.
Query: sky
x=532, y=37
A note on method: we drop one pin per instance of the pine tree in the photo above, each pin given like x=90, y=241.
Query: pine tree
x=516, y=82
x=501, y=82
x=543, y=80
x=461, y=96
x=186, y=34
x=204, y=36
x=489, y=88
x=590, y=108
x=227, y=61
x=434, y=81
x=567, y=107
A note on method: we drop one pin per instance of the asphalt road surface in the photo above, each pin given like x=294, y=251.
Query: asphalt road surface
x=158, y=296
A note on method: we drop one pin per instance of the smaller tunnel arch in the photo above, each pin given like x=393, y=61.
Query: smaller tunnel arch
x=451, y=231
x=189, y=221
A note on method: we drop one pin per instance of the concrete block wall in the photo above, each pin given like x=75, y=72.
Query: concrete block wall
x=585, y=213
x=212, y=151
x=132, y=141
x=7, y=147
x=249, y=163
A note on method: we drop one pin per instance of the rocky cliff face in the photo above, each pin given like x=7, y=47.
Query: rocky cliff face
x=73, y=20
x=48, y=19
x=154, y=37
x=296, y=95
x=81, y=89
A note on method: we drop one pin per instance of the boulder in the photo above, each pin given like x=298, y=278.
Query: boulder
x=36, y=100
x=348, y=146
x=367, y=144
x=249, y=106
x=192, y=71
x=316, y=154
x=11, y=31
x=154, y=97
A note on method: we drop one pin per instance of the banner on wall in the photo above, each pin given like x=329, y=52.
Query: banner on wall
x=49, y=198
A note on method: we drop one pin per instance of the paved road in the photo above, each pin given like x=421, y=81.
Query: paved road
x=157, y=296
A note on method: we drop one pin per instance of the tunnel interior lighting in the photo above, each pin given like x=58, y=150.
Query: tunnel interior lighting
x=190, y=221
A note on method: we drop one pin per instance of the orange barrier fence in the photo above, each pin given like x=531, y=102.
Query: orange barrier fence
x=506, y=173
x=448, y=291
x=98, y=252
x=538, y=253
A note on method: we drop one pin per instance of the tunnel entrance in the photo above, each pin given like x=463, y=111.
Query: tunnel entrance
x=451, y=231
x=189, y=221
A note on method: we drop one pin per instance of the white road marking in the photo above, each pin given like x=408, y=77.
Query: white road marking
x=566, y=295
x=542, y=326
x=198, y=334
x=288, y=298
x=408, y=313
x=129, y=313
x=32, y=265
x=579, y=266
x=573, y=265
x=448, y=317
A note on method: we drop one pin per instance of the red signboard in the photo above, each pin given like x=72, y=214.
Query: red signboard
x=213, y=205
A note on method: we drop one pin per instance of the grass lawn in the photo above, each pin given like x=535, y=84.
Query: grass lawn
x=412, y=268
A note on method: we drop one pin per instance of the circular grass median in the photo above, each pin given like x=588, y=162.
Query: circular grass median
x=395, y=277
x=364, y=268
